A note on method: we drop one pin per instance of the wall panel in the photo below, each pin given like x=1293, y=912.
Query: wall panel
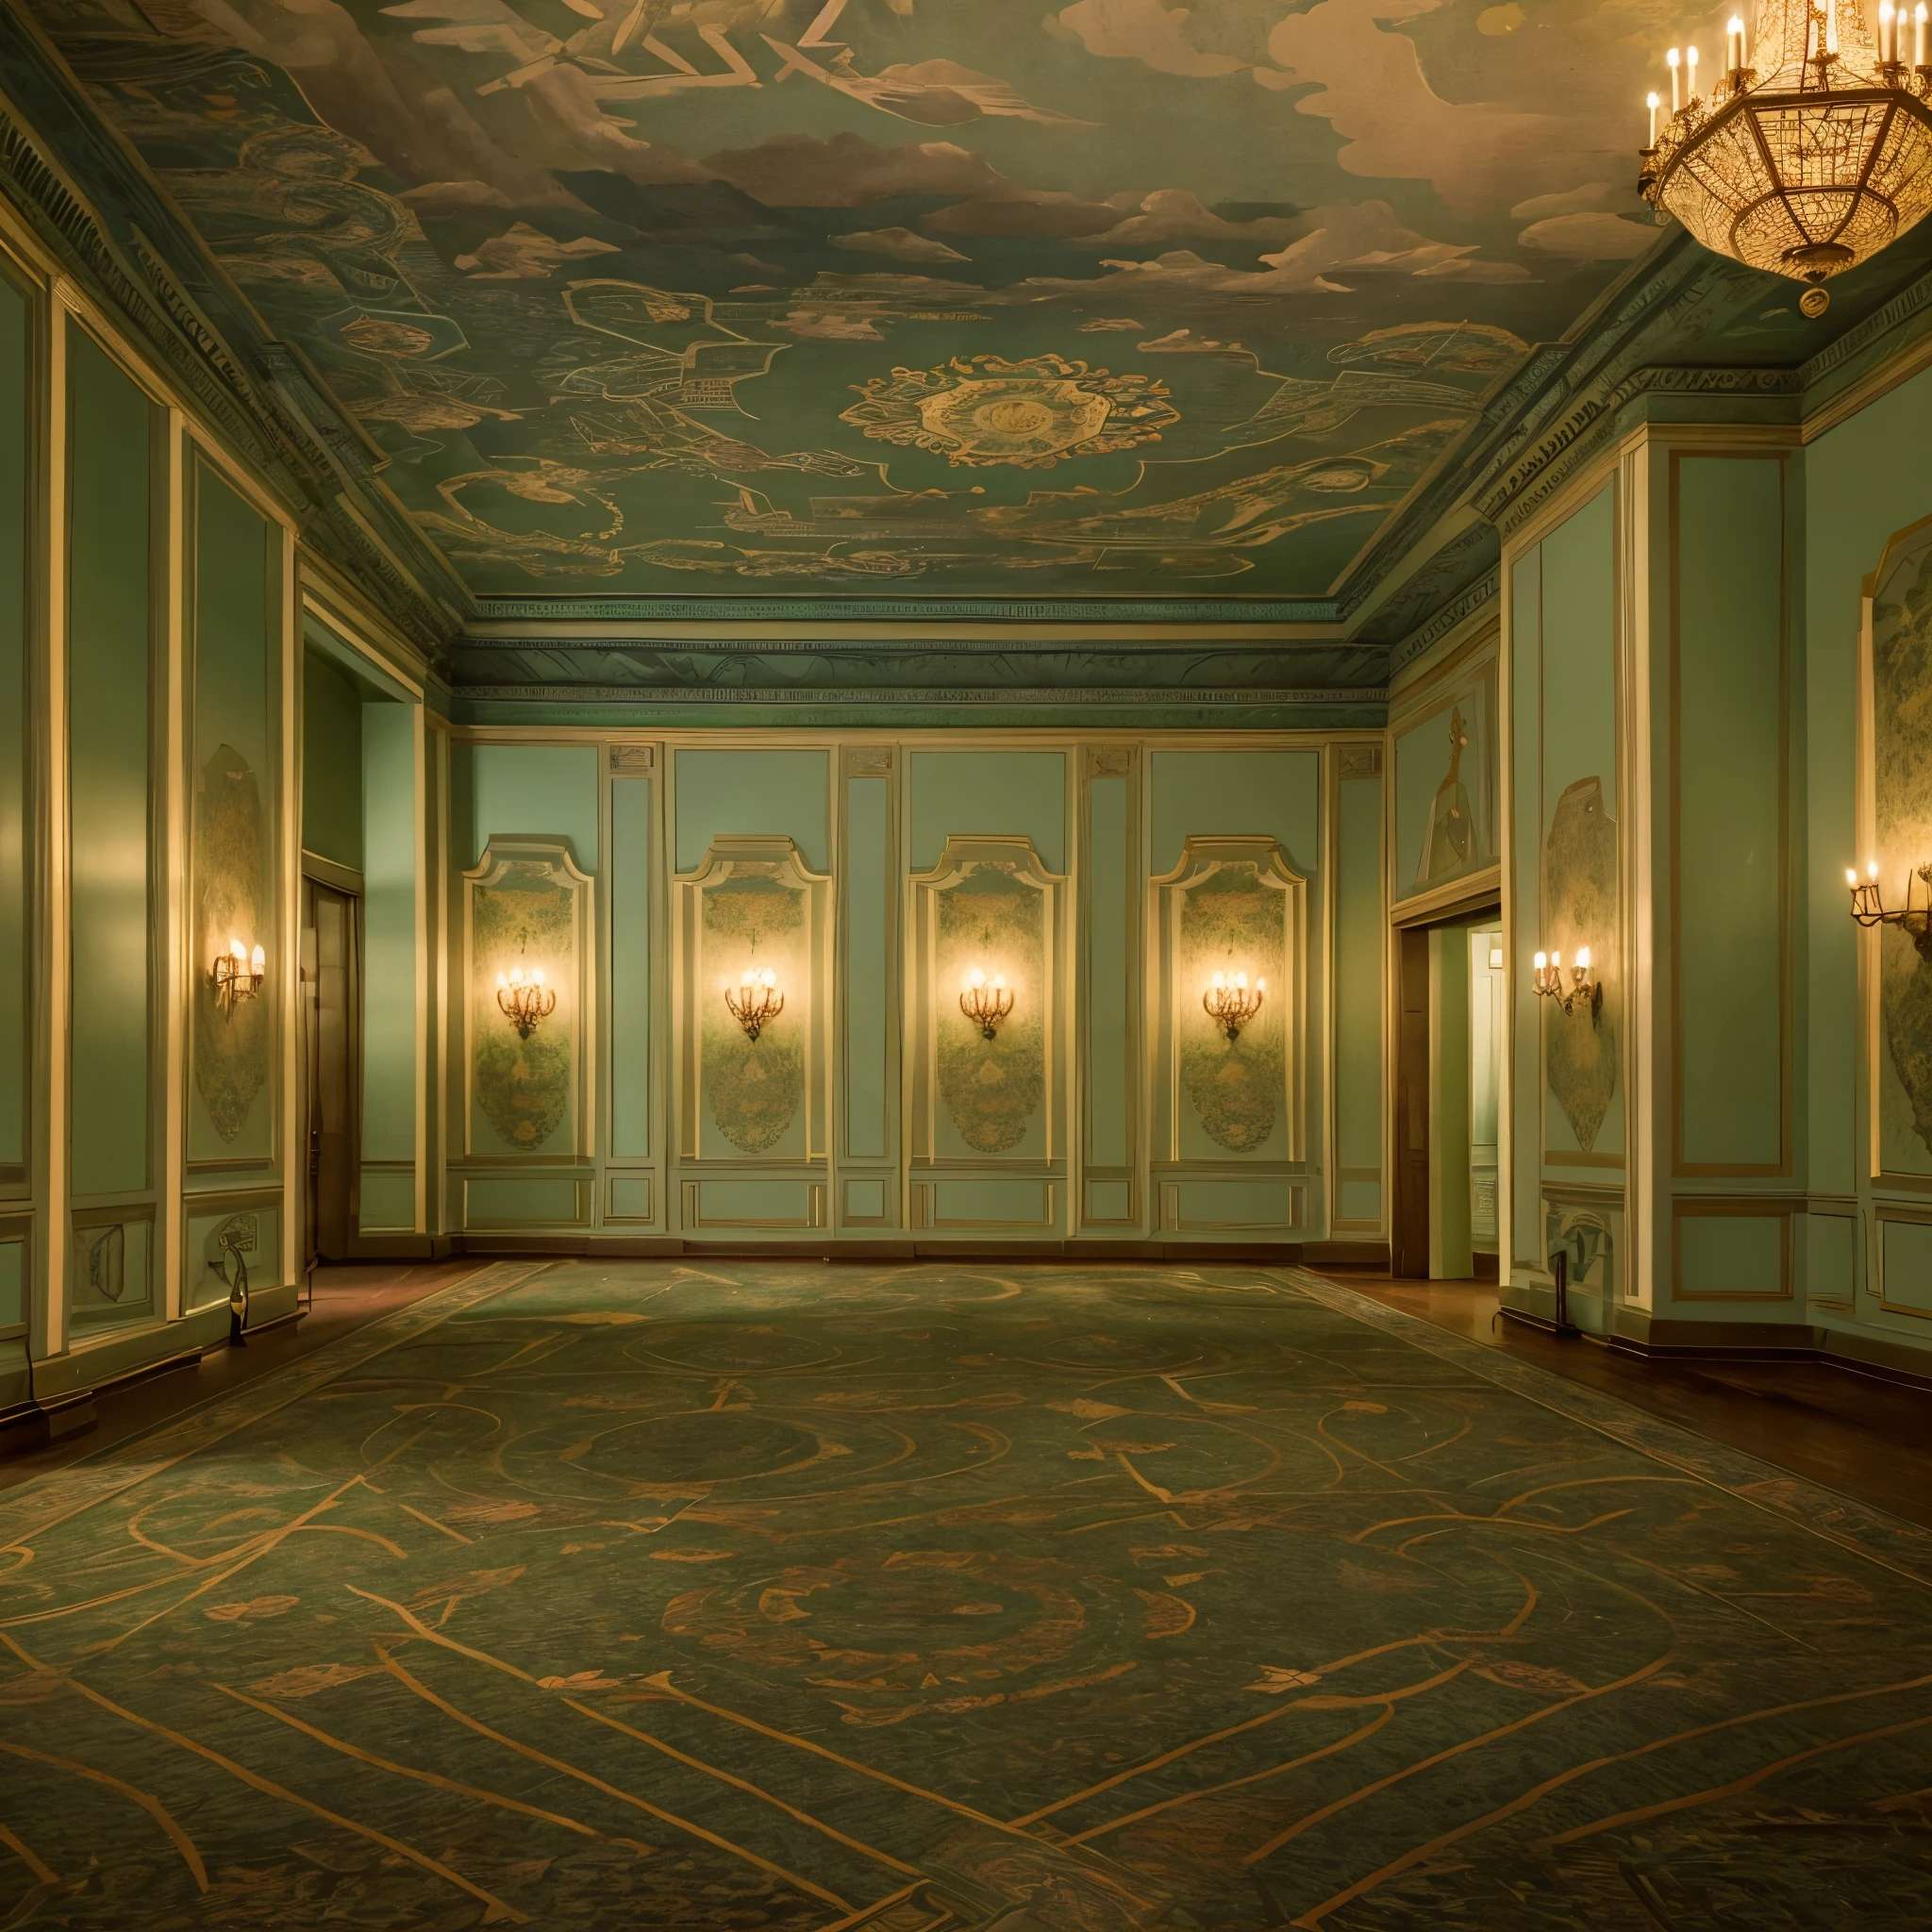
x=630, y=969
x=233, y=790
x=16, y=318
x=1729, y=718
x=389, y=941
x=869, y=1005
x=111, y=685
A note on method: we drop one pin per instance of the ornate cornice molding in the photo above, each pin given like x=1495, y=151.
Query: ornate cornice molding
x=979, y=696
x=100, y=221
x=1485, y=587
x=504, y=610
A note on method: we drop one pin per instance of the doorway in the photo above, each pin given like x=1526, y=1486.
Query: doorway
x=1448, y=1079
x=330, y=1003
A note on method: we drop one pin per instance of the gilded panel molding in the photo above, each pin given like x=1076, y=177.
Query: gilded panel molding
x=526, y=908
x=1231, y=905
x=754, y=907
x=988, y=905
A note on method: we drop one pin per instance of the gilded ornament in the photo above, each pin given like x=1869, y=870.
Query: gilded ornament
x=982, y=411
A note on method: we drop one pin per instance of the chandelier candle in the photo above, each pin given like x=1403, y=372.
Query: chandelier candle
x=1811, y=158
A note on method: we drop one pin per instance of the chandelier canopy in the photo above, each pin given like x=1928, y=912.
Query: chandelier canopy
x=1810, y=151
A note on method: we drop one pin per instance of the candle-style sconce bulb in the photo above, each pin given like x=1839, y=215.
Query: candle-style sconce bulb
x=1569, y=987
x=985, y=1002
x=525, y=999
x=1231, y=1003
x=1913, y=918
x=237, y=975
x=755, y=1001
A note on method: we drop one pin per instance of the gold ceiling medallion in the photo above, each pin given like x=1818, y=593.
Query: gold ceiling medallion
x=1809, y=162
x=983, y=410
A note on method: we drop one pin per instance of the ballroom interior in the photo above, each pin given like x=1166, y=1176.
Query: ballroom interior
x=974, y=963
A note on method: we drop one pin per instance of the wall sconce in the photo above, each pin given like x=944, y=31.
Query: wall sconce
x=985, y=1001
x=754, y=1001
x=1580, y=984
x=236, y=976
x=1868, y=907
x=1231, y=1003
x=525, y=1001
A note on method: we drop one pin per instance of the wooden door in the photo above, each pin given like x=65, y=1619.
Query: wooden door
x=329, y=1011
x=1409, y=1222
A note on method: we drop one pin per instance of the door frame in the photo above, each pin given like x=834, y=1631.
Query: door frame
x=1409, y=1084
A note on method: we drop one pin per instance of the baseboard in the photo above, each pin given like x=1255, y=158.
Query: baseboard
x=831, y=1247
x=1635, y=1332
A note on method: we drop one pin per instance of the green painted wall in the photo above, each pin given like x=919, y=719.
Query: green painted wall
x=1360, y=943
x=1110, y=1045
x=1730, y=781
x=869, y=1008
x=109, y=747
x=630, y=968
x=1217, y=794
x=1525, y=1073
x=1579, y=725
x=753, y=794
x=331, y=763
x=1007, y=793
x=1862, y=481
x=236, y=638
x=389, y=942
x=15, y=414
x=535, y=791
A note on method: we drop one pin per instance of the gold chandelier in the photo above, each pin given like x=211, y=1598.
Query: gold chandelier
x=1808, y=161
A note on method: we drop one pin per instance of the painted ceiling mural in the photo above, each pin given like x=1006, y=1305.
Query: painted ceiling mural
x=748, y=298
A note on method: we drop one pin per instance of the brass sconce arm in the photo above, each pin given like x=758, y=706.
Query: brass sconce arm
x=1231, y=1003
x=1569, y=985
x=523, y=1002
x=985, y=1002
x=1869, y=908
x=236, y=975
x=755, y=1001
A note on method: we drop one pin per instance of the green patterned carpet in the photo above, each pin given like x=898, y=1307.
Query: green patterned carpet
x=1048, y=1599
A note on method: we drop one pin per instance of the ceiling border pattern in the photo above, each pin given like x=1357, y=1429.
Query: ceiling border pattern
x=130, y=269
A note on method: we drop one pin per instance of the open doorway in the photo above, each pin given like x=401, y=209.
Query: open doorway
x=1448, y=1081
x=328, y=1016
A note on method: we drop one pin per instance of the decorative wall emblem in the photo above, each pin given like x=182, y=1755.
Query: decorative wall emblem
x=231, y=1051
x=1580, y=909
x=993, y=919
x=1445, y=788
x=100, y=1266
x=527, y=910
x=983, y=410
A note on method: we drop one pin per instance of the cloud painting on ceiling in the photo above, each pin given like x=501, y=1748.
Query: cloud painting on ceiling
x=748, y=298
